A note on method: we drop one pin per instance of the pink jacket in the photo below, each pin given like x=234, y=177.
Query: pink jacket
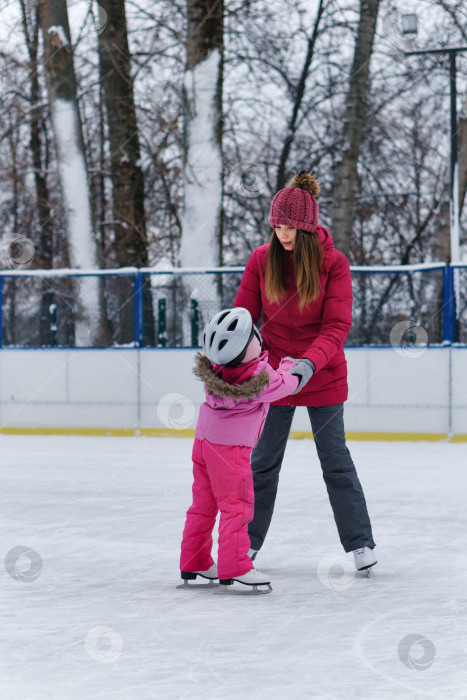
x=234, y=413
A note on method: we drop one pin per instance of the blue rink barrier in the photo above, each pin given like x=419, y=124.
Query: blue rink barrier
x=153, y=308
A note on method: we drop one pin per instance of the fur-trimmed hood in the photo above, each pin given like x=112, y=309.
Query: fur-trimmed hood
x=220, y=388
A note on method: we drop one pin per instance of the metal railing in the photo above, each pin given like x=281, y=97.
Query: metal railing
x=153, y=308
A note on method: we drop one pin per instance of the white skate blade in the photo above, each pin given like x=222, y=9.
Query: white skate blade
x=186, y=585
x=247, y=589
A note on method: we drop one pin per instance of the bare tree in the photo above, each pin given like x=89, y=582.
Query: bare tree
x=62, y=88
x=202, y=227
x=299, y=95
x=44, y=251
x=345, y=177
x=129, y=218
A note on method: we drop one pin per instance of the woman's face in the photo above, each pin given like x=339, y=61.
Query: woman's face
x=286, y=235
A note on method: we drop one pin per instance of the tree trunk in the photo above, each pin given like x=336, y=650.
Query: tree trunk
x=129, y=218
x=43, y=257
x=202, y=220
x=345, y=175
x=61, y=84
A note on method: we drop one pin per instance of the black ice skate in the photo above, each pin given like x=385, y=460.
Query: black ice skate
x=210, y=574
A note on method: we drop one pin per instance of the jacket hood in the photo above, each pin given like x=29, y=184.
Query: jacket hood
x=325, y=238
x=222, y=389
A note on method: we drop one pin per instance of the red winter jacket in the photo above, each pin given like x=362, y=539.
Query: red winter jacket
x=317, y=333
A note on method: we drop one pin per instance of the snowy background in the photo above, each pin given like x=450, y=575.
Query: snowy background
x=92, y=609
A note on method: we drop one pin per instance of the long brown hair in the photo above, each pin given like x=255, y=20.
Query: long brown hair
x=308, y=256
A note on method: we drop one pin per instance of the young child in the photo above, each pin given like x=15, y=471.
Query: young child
x=240, y=385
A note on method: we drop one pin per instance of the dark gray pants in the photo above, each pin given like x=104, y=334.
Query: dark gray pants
x=342, y=483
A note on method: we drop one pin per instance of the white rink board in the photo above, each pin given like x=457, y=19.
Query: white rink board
x=156, y=388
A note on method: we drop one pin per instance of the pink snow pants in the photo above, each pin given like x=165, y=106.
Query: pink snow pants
x=222, y=481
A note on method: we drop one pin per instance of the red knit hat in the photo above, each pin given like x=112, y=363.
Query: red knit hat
x=296, y=204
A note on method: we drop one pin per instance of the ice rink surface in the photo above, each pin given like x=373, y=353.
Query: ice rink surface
x=91, y=530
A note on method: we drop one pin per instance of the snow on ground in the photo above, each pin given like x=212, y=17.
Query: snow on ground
x=91, y=610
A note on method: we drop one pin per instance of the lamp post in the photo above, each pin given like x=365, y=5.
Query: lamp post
x=409, y=26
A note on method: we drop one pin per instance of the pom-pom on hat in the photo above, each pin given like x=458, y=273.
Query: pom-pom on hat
x=296, y=204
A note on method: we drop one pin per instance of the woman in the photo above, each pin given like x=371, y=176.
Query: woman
x=302, y=285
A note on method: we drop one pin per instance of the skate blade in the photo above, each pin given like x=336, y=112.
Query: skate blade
x=249, y=590
x=185, y=585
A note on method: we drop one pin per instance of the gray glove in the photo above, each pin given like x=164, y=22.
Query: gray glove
x=304, y=370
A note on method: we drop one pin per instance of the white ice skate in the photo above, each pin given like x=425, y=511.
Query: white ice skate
x=364, y=559
x=253, y=578
x=210, y=574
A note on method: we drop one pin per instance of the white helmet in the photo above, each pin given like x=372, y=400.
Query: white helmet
x=227, y=335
